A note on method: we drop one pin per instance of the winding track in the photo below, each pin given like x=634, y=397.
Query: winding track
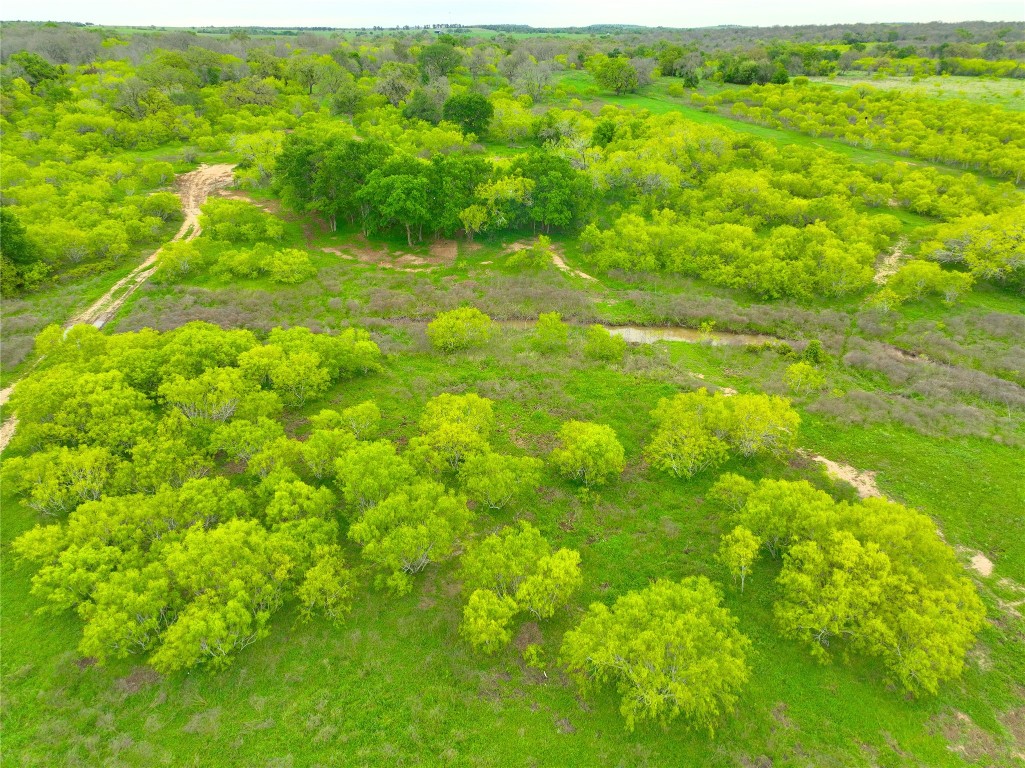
x=193, y=189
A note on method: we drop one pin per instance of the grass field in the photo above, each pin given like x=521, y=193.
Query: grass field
x=395, y=685
x=656, y=99
x=1003, y=92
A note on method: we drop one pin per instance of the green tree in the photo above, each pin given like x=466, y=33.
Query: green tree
x=683, y=446
x=615, y=74
x=738, y=550
x=438, y=59
x=804, y=377
x=555, y=578
x=328, y=587
x=368, y=472
x=670, y=649
x=550, y=333
x=494, y=480
x=588, y=453
x=413, y=527
x=501, y=561
x=471, y=112
x=486, y=619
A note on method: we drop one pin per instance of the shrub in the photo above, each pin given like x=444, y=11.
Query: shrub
x=589, y=453
x=459, y=329
x=602, y=345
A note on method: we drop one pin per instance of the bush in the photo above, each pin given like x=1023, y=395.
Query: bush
x=602, y=345
x=590, y=453
x=550, y=333
x=461, y=328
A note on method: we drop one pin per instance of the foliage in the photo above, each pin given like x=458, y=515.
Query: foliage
x=588, y=453
x=459, y=329
x=670, y=649
x=600, y=344
x=412, y=527
x=471, y=112
x=737, y=551
x=551, y=334
x=873, y=578
x=697, y=430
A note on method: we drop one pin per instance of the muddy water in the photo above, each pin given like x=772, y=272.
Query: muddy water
x=649, y=334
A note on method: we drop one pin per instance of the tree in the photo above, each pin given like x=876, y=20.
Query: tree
x=732, y=491
x=214, y=395
x=414, y=526
x=362, y=420
x=555, y=578
x=471, y=112
x=493, y=480
x=738, y=550
x=486, y=618
x=396, y=80
x=682, y=446
x=550, y=333
x=602, y=345
x=438, y=59
x=328, y=587
x=459, y=329
x=241, y=439
x=588, y=453
x=322, y=448
x=802, y=376
x=670, y=650
x=501, y=561
x=368, y=472
x=34, y=68
x=615, y=74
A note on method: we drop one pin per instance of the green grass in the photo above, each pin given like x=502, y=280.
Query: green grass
x=656, y=99
x=1005, y=92
x=395, y=684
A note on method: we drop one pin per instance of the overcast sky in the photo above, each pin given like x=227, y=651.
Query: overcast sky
x=669, y=13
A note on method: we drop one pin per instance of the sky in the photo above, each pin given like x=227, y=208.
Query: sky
x=668, y=13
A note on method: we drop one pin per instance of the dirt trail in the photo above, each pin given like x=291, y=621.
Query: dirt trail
x=863, y=482
x=193, y=189
x=890, y=263
x=557, y=259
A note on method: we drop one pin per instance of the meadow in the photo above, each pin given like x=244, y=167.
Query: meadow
x=581, y=201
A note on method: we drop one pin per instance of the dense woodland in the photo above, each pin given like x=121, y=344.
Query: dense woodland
x=369, y=422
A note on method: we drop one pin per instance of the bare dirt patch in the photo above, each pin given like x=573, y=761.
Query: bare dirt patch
x=529, y=634
x=965, y=738
x=863, y=482
x=889, y=263
x=981, y=564
x=139, y=678
x=443, y=252
x=557, y=258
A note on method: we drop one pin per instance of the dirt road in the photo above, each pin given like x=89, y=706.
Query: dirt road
x=193, y=189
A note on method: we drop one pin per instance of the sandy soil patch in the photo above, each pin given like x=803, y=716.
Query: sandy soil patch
x=890, y=263
x=981, y=564
x=863, y=482
x=443, y=252
x=557, y=258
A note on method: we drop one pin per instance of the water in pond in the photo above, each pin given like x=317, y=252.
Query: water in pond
x=649, y=335
x=640, y=334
